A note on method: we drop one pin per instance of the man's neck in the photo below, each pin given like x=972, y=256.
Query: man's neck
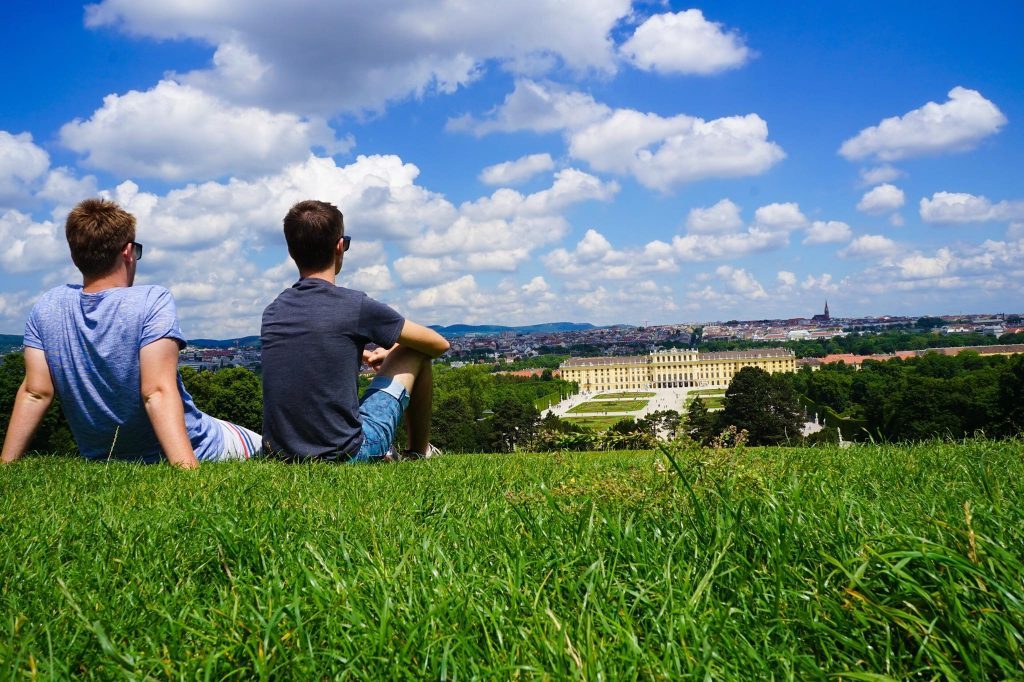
x=94, y=285
x=327, y=275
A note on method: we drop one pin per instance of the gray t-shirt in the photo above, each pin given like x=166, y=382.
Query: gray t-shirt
x=313, y=337
x=92, y=343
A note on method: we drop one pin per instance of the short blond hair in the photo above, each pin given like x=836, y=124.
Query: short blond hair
x=97, y=230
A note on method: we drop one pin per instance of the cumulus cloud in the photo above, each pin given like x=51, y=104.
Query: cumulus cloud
x=740, y=282
x=958, y=124
x=662, y=153
x=880, y=174
x=594, y=258
x=684, y=42
x=778, y=216
x=882, y=199
x=823, y=283
x=360, y=55
x=786, y=278
x=827, y=232
x=27, y=245
x=519, y=170
x=21, y=164
x=869, y=246
x=702, y=247
x=960, y=207
x=536, y=107
x=722, y=217
x=178, y=132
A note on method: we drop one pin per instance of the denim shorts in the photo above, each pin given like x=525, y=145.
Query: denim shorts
x=380, y=410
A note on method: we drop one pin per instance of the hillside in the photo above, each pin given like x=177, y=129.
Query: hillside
x=785, y=563
x=547, y=327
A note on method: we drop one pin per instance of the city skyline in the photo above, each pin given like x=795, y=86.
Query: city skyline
x=605, y=161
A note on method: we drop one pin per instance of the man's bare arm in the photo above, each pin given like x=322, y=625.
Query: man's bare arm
x=158, y=364
x=422, y=339
x=30, y=404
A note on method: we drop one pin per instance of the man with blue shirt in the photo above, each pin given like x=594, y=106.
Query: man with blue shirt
x=110, y=351
x=314, y=340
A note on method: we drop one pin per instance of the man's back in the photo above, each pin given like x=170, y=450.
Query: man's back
x=312, y=339
x=91, y=343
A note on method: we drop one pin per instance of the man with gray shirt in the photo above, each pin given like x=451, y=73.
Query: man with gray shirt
x=110, y=351
x=314, y=340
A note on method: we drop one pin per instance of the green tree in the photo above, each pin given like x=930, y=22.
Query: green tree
x=701, y=425
x=53, y=434
x=234, y=394
x=763, y=404
x=454, y=426
x=1011, y=397
x=513, y=424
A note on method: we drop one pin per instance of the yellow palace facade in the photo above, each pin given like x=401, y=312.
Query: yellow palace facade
x=676, y=368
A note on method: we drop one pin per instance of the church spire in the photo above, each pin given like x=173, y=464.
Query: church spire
x=826, y=309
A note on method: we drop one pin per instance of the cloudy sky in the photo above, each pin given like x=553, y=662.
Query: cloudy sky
x=528, y=161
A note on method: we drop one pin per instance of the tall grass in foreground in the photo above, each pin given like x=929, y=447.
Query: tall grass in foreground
x=875, y=561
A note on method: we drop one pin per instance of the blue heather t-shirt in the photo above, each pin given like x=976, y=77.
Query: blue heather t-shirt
x=313, y=337
x=92, y=344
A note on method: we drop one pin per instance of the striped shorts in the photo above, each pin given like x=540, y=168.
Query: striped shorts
x=239, y=442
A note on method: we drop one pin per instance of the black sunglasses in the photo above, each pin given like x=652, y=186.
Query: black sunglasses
x=136, y=249
x=348, y=242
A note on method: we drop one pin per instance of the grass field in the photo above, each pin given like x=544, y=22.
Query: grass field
x=596, y=423
x=711, y=402
x=608, y=406
x=625, y=395
x=872, y=562
x=706, y=391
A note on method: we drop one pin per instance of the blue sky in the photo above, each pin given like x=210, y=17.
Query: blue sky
x=526, y=162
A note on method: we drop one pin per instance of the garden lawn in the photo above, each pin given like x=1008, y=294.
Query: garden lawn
x=624, y=395
x=902, y=562
x=596, y=423
x=609, y=406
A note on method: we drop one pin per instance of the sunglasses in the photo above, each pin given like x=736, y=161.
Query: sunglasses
x=348, y=242
x=136, y=249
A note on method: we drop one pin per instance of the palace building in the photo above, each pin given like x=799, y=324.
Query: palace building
x=676, y=368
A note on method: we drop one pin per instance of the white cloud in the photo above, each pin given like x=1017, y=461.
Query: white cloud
x=880, y=174
x=1015, y=231
x=27, y=245
x=519, y=170
x=780, y=217
x=659, y=152
x=827, y=232
x=373, y=279
x=722, y=217
x=666, y=152
x=684, y=42
x=702, y=247
x=21, y=164
x=594, y=258
x=359, y=55
x=536, y=107
x=958, y=124
x=786, y=278
x=960, y=207
x=178, y=132
x=823, y=283
x=740, y=282
x=869, y=246
x=882, y=199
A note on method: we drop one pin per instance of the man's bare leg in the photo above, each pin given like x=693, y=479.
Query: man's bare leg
x=414, y=371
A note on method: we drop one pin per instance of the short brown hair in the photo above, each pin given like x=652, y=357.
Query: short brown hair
x=97, y=230
x=312, y=229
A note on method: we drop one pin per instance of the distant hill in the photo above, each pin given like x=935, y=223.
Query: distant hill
x=463, y=329
x=225, y=343
x=10, y=341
